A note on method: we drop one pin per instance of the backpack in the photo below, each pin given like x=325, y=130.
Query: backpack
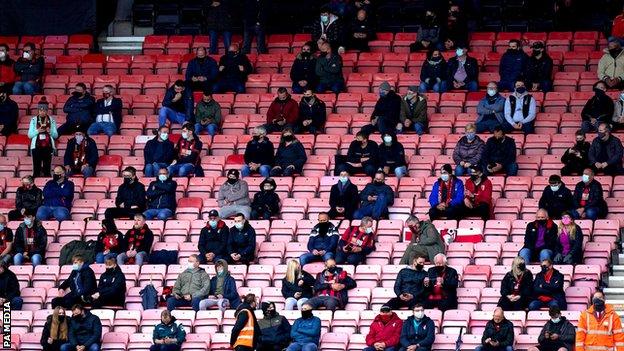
x=149, y=297
x=78, y=247
x=166, y=257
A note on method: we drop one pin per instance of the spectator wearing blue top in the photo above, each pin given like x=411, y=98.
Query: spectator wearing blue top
x=158, y=152
x=81, y=284
x=306, y=331
x=513, y=65
x=201, y=71
x=241, y=244
x=85, y=331
x=161, y=197
x=500, y=154
x=177, y=105
x=107, y=113
x=418, y=332
x=58, y=195
x=80, y=109
x=222, y=292
x=376, y=197
x=447, y=196
x=168, y=335
x=290, y=156
x=186, y=153
x=490, y=110
x=81, y=155
x=323, y=241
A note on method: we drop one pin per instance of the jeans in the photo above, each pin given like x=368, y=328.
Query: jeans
x=537, y=304
x=214, y=41
x=25, y=88
x=60, y=213
x=293, y=304
x=329, y=302
x=527, y=254
x=167, y=113
x=437, y=87
x=487, y=125
x=86, y=172
x=527, y=128
x=160, y=213
x=35, y=259
x=264, y=170
x=70, y=347
x=335, y=87
x=248, y=33
x=490, y=348
x=510, y=169
x=461, y=171
x=419, y=128
x=173, y=303
x=151, y=170
x=181, y=170
x=375, y=210
x=309, y=257
x=211, y=129
x=224, y=86
x=296, y=346
x=140, y=257
x=590, y=213
x=222, y=304
x=353, y=258
x=100, y=257
x=400, y=171
x=107, y=128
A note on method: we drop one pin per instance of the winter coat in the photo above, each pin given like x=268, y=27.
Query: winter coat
x=415, y=110
x=7, y=73
x=158, y=151
x=555, y=203
x=609, y=67
x=87, y=286
x=46, y=333
x=29, y=70
x=29, y=199
x=491, y=105
x=479, y=194
x=90, y=157
x=410, y=281
x=326, y=242
x=388, y=108
x=433, y=71
x=304, y=69
x=356, y=153
x=114, y=109
x=576, y=246
x=531, y=234
x=173, y=330
x=131, y=194
x=85, y=331
x=322, y=288
x=112, y=287
x=502, y=332
x=289, y=289
x=293, y=154
x=161, y=195
x=237, y=193
x=231, y=72
x=208, y=111
x=283, y=110
x=266, y=201
x=206, y=67
x=470, y=65
x=525, y=289
x=194, y=282
x=183, y=145
x=315, y=110
x=184, y=105
x=242, y=242
x=361, y=27
x=499, y=151
x=219, y=18
x=140, y=239
x=275, y=331
x=595, y=196
x=55, y=194
x=329, y=69
x=9, y=285
x=40, y=239
x=424, y=336
x=229, y=287
x=306, y=331
x=513, y=65
x=241, y=321
x=9, y=113
x=539, y=70
x=334, y=31
x=612, y=148
x=600, y=107
x=389, y=333
x=571, y=160
x=256, y=11
x=33, y=132
x=470, y=152
x=457, y=196
x=260, y=152
x=346, y=197
x=427, y=238
x=552, y=289
x=118, y=248
x=565, y=330
x=604, y=333
x=449, y=285
x=214, y=240
x=372, y=189
x=80, y=110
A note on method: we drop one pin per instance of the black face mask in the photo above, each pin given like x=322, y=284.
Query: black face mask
x=545, y=269
x=323, y=228
x=127, y=181
x=541, y=222
x=306, y=314
x=232, y=180
x=513, y=51
x=599, y=304
x=76, y=94
x=436, y=59
x=288, y=138
x=440, y=269
x=271, y=313
x=256, y=137
x=61, y=319
x=474, y=177
x=232, y=53
x=615, y=52
x=599, y=92
x=378, y=182
x=537, y=52
x=522, y=266
x=305, y=54
x=332, y=270
x=420, y=267
x=307, y=98
x=57, y=177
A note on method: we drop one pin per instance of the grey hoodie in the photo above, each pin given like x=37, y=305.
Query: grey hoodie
x=237, y=193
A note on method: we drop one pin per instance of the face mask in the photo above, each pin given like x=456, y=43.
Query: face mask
x=445, y=177
x=554, y=188
x=601, y=135
x=387, y=139
x=1, y=227
x=268, y=188
x=127, y=181
x=385, y=318
x=419, y=315
x=162, y=177
x=79, y=139
x=420, y=267
x=212, y=223
x=185, y=135
x=512, y=51
x=614, y=51
x=541, y=222
x=306, y=314
x=544, y=269
x=324, y=19
x=307, y=98
x=220, y=271
x=76, y=266
x=271, y=313
x=232, y=180
x=491, y=92
x=288, y=138
x=522, y=266
x=191, y=266
x=106, y=95
x=28, y=222
x=622, y=96
x=61, y=319
x=164, y=136
x=56, y=177
x=305, y=54
x=369, y=230
x=537, y=52
x=470, y=136
x=599, y=304
x=383, y=93
x=436, y=58
x=521, y=90
x=555, y=320
x=459, y=52
x=409, y=96
x=343, y=180
x=585, y=178
x=76, y=94
x=566, y=220
x=474, y=177
x=239, y=225
x=378, y=182
x=26, y=55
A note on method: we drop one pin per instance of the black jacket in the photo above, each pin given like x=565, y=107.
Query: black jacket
x=9, y=112
x=260, y=152
x=231, y=71
x=91, y=153
x=45, y=333
x=275, y=332
x=112, y=287
x=266, y=201
x=158, y=151
x=40, y=242
x=241, y=321
x=80, y=110
x=449, y=285
x=289, y=289
x=219, y=18
x=206, y=67
x=85, y=331
x=29, y=199
x=600, y=107
x=114, y=109
x=525, y=288
x=530, y=238
x=471, y=66
x=388, y=108
x=291, y=155
x=242, y=242
x=565, y=330
x=119, y=248
x=214, y=240
x=28, y=70
x=131, y=194
x=571, y=160
x=304, y=69
x=356, y=152
x=329, y=69
x=502, y=332
x=88, y=283
x=539, y=70
x=9, y=285
x=595, y=198
x=576, y=246
x=392, y=155
x=410, y=281
x=346, y=197
x=363, y=27
x=162, y=194
x=317, y=112
x=335, y=32
x=610, y=151
x=553, y=289
x=256, y=11
x=183, y=105
x=556, y=202
x=433, y=71
x=503, y=152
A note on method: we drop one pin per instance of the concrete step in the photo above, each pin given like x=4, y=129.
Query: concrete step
x=618, y=270
x=614, y=293
x=131, y=45
x=616, y=281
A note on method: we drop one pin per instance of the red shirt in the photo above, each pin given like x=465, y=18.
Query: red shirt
x=618, y=26
x=482, y=193
x=288, y=110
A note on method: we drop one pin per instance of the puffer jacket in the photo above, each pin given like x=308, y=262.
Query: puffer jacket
x=172, y=330
x=564, y=329
x=470, y=152
x=237, y=193
x=606, y=333
x=334, y=31
x=306, y=330
x=275, y=329
x=424, y=336
x=433, y=71
x=303, y=69
x=194, y=282
x=80, y=110
x=266, y=201
x=162, y=195
x=329, y=69
x=388, y=333
x=293, y=154
x=609, y=67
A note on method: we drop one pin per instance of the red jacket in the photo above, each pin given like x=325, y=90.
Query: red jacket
x=482, y=193
x=7, y=74
x=618, y=26
x=390, y=333
x=288, y=110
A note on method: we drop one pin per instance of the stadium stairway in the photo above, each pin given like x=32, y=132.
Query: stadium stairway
x=615, y=286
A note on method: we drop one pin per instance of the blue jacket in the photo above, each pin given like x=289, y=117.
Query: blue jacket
x=305, y=331
x=293, y=154
x=497, y=151
x=376, y=190
x=489, y=104
x=80, y=110
x=55, y=194
x=424, y=336
x=458, y=193
x=229, y=290
x=81, y=283
x=513, y=66
x=184, y=105
x=91, y=152
x=242, y=242
x=114, y=109
x=204, y=68
x=327, y=242
x=156, y=151
x=162, y=194
x=172, y=330
x=85, y=331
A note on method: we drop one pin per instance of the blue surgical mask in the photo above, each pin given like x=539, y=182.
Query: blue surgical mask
x=2, y=227
x=28, y=222
x=369, y=230
x=343, y=179
x=444, y=177
x=324, y=18
x=239, y=225
x=212, y=223
x=383, y=93
x=164, y=136
x=554, y=188
x=459, y=52
x=387, y=139
x=555, y=320
x=162, y=177
x=76, y=266
x=585, y=178
x=491, y=92
x=185, y=135
x=470, y=136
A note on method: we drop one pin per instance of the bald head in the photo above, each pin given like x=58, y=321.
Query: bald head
x=498, y=315
x=541, y=215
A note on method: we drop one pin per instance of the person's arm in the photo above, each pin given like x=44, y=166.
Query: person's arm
x=313, y=330
x=203, y=242
x=433, y=196
x=429, y=237
x=320, y=284
x=89, y=283
x=190, y=70
x=71, y=336
x=398, y=285
x=71, y=106
x=241, y=321
x=567, y=335
x=45, y=333
x=430, y=338
x=69, y=153
x=349, y=283
x=532, y=112
x=487, y=333
x=509, y=112
x=96, y=334
x=302, y=158
x=288, y=289
x=404, y=340
x=581, y=331
x=180, y=335
x=250, y=249
x=508, y=337
x=505, y=285
x=615, y=158
x=92, y=154
x=365, y=193
x=205, y=288
x=42, y=241
x=168, y=99
x=371, y=337
x=456, y=156
x=602, y=67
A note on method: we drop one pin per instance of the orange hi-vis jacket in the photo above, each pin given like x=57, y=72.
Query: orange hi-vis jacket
x=246, y=335
x=604, y=334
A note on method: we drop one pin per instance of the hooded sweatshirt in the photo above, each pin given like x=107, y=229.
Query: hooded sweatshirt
x=224, y=284
x=266, y=201
x=611, y=67
x=275, y=328
x=323, y=237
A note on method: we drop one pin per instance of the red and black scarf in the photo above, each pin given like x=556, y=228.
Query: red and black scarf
x=445, y=188
x=79, y=154
x=46, y=141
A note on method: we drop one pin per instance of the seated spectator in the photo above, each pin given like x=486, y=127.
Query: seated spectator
x=356, y=243
x=539, y=239
x=441, y=285
x=331, y=288
x=611, y=64
x=513, y=65
x=168, y=335
x=576, y=158
x=158, y=152
x=329, y=70
x=343, y=198
x=329, y=30
x=433, y=73
x=81, y=155
x=259, y=154
x=85, y=331
x=392, y=156
x=190, y=287
x=548, y=288
x=569, y=244
x=428, y=33
x=27, y=197
x=520, y=110
x=177, y=105
x=282, y=112
x=375, y=199
x=296, y=286
x=462, y=71
x=598, y=109
x=234, y=67
x=201, y=71
x=9, y=111
x=362, y=31
x=312, y=113
x=447, y=195
x=517, y=287
x=207, y=115
x=138, y=240
x=246, y=332
x=80, y=110
x=111, y=289
x=213, y=239
x=426, y=241
x=81, y=284
x=107, y=113
x=241, y=245
x=29, y=70
x=589, y=198
x=605, y=152
x=556, y=197
x=558, y=334
x=55, y=330
x=362, y=156
x=490, y=110
x=161, y=197
x=290, y=156
x=110, y=241
x=539, y=69
x=7, y=73
x=30, y=241
x=222, y=292
x=6, y=241
x=468, y=151
x=186, y=158
x=58, y=196
x=303, y=70
x=9, y=288
x=266, y=203
x=499, y=155
x=234, y=196
x=42, y=133
x=323, y=241
x=275, y=329
x=414, y=112
x=306, y=331
x=385, y=331
x=418, y=331
x=498, y=334
x=219, y=16
x=130, y=198
x=477, y=195
x=408, y=285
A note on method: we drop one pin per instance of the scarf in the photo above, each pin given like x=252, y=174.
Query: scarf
x=43, y=139
x=135, y=238
x=547, y=277
x=3, y=242
x=445, y=191
x=110, y=241
x=79, y=154
x=516, y=288
x=30, y=239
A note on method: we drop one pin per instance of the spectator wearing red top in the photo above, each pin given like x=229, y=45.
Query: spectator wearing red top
x=548, y=288
x=109, y=241
x=331, y=288
x=478, y=195
x=7, y=74
x=385, y=331
x=356, y=243
x=588, y=198
x=441, y=284
x=186, y=153
x=138, y=241
x=617, y=30
x=283, y=112
x=30, y=241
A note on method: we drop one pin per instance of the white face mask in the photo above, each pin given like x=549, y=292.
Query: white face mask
x=621, y=95
x=79, y=139
x=554, y=188
x=419, y=314
x=2, y=54
x=162, y=177
x=239, y=225
x=164, y=136
x=185, y=135
x=444, y=177
x=387, y=139
x=191, y=266
x=491, y=92
x=26, y=55
x=585, y=178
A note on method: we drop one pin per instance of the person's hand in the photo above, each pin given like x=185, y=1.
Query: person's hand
x=2, y=300
x=411, y=348
x=374, y=121
x=201, y=78
x=177, y=97
x=321, y=252
x=215, y=3
x=133, y=253
x=297, y=294
x=593, y=120
x=61, y=292
x=370, y=198
x=408, y=296
x=50, y=341
x=456, y=85
x=241, y=68
x=386, y=170
x=187, y=297
x=518, y=126
x=439, y=281
x=337, y=286
x=341, y=50
x=598, y=165
x=237, y=257
x=315, y=252
x=554, y=336
x=290, y=167
x=80, y=348
x=364, y=159
x=356, y=249
x=426, y=281
x=95, y=296
x=67, y=169
x=605, y=165
x=307, y=122
x=340, y=209
x=174, y=162
x=219, y=296
x=194, y=79
x=495, y=343
x=468, y=203
x=487, y=341
x=441, y=206
x=221, y=68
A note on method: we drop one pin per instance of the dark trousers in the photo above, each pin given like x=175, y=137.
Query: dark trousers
x=507, y=305
x=243, y=348
x=165, y=347
x=16, y=215
x=248, y=33
x=611, y=170
x=349, y=257
x=120, y=212
x=482, y=211
x=573, y=169
x=42, y=161
x=396, y=303
x=69, y=128
x=443, y=305
x=66, y=301
x=55, y=346
x=449, y=213
x=368, y=169
x=108, y=301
